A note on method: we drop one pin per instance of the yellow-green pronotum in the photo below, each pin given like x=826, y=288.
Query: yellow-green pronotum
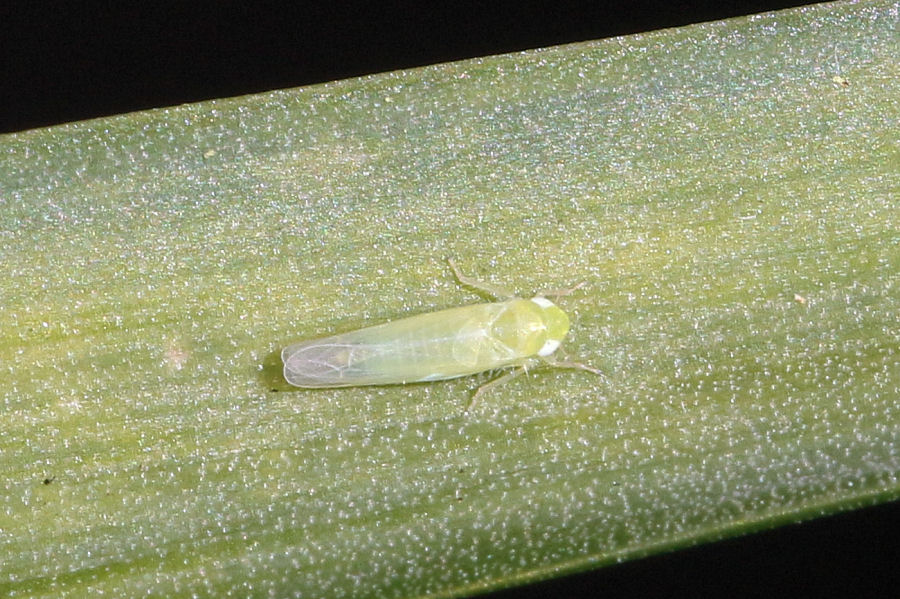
x=436, y=346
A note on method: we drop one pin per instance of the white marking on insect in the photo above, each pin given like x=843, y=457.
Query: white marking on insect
x=438, y=345
x=550, y=346
x=543, y=302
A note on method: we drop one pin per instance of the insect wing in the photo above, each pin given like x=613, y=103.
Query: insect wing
x=337, y=361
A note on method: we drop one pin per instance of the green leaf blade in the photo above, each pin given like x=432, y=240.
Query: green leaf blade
x=731, y=205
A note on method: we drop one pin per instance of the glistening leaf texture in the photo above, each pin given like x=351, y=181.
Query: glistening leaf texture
x=728, y=191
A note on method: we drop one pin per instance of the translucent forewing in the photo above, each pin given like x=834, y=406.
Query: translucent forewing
x=430, y=347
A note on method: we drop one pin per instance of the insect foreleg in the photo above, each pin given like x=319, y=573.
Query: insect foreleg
x=492, y=290
x=558, y=293
x=552, y=361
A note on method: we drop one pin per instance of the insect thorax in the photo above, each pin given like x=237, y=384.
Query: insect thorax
x=526, y=326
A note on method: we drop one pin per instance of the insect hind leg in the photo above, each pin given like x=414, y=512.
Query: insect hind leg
x=492, y=290
x=491, y=384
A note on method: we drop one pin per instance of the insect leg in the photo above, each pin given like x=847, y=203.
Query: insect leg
x=494, y=383
x=557, y=293
x=573, y=365
x=497, y=292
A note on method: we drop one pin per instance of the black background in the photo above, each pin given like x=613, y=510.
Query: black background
x=65, y=61
x=61, y=63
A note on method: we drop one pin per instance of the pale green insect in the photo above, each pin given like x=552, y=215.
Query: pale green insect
x=437, y=346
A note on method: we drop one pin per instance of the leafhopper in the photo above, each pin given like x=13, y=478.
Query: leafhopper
x=512, y=333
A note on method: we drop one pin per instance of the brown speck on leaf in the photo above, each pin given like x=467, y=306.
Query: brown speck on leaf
x=176, y=355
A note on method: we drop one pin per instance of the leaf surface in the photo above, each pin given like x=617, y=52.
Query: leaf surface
x=728, y=191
